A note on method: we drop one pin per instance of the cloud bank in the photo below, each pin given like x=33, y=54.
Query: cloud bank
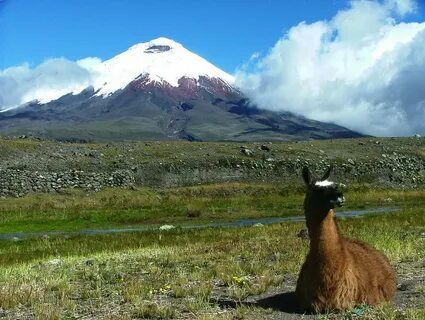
x=364, y=69
x=47, y=81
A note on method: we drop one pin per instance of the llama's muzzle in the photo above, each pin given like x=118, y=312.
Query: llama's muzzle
x=340, y=201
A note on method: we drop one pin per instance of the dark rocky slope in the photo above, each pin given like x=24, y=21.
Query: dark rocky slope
x=207, y=109
x=45, y=166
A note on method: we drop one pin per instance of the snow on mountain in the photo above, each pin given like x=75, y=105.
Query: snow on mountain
x=156, y=90
x=162, y=59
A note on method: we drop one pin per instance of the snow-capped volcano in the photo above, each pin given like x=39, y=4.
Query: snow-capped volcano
x=162, y=60
x=156, y=90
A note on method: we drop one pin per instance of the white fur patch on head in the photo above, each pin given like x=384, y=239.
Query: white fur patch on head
x=324, y=183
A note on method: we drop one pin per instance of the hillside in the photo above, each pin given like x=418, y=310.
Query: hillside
x=28, y=165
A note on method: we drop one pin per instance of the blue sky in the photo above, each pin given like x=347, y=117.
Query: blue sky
x=358, y=63
x=222, y=31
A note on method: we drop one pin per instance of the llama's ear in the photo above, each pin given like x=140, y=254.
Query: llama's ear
x=327, y=173
x=306, y=176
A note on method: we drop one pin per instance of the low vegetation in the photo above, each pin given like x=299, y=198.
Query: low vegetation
x=198, y=273
x=110, y=208
x=28, y=165
x=188, y=274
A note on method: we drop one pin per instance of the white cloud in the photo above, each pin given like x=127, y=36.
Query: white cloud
x=48, y=81
x=254, y=56
x=403, y=6
x=362, y=69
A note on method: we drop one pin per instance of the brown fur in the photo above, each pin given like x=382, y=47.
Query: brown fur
x=340, y=273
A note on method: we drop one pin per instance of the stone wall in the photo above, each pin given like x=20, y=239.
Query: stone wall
x=15, y=182
x=54, y=167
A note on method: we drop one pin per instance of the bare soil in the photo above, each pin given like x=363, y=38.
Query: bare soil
x=282, y=300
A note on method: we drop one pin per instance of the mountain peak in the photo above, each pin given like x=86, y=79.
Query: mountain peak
x=163, y=60
x=162, y=41
x=158, y=42
x=160, y=61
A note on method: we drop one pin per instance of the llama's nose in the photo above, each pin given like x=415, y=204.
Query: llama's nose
x=340, y=200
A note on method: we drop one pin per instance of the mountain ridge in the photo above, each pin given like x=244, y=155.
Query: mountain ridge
x=159, y=90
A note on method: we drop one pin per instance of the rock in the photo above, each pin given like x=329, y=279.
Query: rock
x=45, y=237
x=303, y=234
x=166, y=227
x=55, y=262
x=258, y=225
x=220, y=283
x=247, y=152
x=403, y=287
x=16, y=239
x=264, y=147
x=90, y=262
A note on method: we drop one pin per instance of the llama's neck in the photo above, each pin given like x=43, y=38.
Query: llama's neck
x=325, y=238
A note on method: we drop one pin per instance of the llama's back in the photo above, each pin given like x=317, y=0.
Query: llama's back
x=359, y=274
x=376, y=277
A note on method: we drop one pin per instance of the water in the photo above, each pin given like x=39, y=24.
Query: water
x=230, y=224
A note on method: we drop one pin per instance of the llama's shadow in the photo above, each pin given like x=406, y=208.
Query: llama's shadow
x=285, y=302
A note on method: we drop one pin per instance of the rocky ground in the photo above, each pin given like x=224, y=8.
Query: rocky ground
x=28, y=165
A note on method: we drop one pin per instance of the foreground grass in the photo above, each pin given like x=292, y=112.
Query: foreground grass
x=181, y=273
x=76, y=210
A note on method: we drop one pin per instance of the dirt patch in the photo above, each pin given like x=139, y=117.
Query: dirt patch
x=282, y=300
x=411, y=288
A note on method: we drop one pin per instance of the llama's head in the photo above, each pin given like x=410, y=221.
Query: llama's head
x=322, y=195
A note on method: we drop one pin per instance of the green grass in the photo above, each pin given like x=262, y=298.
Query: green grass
x=76, y=210
x=175, y=274
x=147, y=273
x=180, y=273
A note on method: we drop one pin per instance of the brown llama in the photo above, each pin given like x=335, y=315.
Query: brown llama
x=338, y=273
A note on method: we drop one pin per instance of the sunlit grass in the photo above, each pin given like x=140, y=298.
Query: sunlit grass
x=176, y=273
x=75, y=209
x=151, y=272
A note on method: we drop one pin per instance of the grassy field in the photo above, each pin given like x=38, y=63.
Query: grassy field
x=188, y=274
x=75, y=210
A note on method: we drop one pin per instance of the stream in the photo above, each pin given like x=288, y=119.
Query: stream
x=151, y=227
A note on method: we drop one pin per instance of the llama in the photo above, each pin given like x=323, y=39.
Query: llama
x=338, y=273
